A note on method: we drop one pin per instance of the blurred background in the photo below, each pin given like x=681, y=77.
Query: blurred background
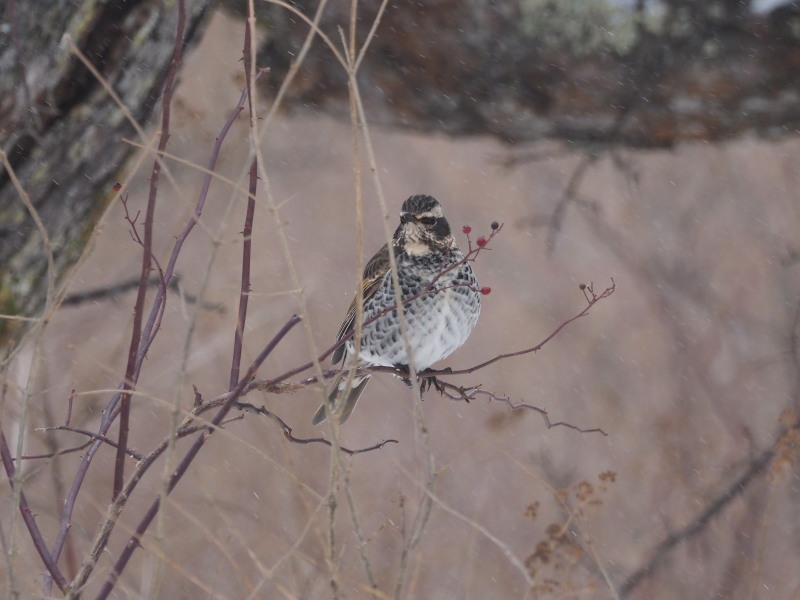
x=690, y=367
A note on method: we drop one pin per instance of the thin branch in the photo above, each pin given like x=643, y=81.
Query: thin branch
x=30, y=521
x=592, y=300
x=468, y=394
x=152, y=327
x=90, y=434
x=76, y=586
x=51, y=304
x=49, y=455
x=247, y=230
x=111, y=409
x=147, y=250
x=289, y=435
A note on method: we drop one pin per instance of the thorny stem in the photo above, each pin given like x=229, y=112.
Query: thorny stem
x=110, y=411
x=288, y=432
x=468, y=393
x=592, y=300
x=90, y=434
x=147, y=249
x=27, y=515
x=247, y=230
x=87, y=567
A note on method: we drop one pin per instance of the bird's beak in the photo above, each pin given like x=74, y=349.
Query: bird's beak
x=407, y=218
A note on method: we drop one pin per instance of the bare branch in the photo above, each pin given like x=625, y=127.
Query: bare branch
x=77, y=584
x=592, y=299
x=50, y=563
x=147, y=249
x=247, y=230
x=287, y=431
x=469, y=393
x=95, y=436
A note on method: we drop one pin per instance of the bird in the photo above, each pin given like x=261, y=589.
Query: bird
x=441, y=303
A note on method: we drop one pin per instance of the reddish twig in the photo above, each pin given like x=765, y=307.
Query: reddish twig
x=138, y=312
x=289, y=435
x=244, y=294
x=179, y=472
x=468, y=393
x=592, y=299
x=247, y=231
x=50, y=563
x=111, y=410
x=152, y=327
x=91, y=434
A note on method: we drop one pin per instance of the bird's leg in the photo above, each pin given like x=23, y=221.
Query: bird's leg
x=403, y=373
x=430, y=380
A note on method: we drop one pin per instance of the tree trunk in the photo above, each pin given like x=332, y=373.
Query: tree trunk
x=61, y=130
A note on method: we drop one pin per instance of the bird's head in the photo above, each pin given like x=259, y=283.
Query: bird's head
x=423, y=228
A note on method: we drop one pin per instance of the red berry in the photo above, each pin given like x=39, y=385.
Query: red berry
x=486, y=290
x=466, y=229
x=481, y=241
x=117, y=187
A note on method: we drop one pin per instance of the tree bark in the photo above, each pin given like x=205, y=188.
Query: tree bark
x=61, y=130
x=650, y=75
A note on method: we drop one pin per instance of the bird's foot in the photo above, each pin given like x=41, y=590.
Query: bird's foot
x=428, y=381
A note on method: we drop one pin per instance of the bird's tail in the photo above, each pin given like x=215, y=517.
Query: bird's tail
x=339, y=401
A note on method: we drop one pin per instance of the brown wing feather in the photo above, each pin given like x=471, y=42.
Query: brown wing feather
x=374, y=272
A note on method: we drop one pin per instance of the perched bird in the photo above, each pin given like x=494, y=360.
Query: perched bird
x=439, y=320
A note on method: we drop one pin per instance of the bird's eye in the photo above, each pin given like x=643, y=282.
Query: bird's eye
x=428, y=220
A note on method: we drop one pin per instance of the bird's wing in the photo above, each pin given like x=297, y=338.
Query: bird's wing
x=374, y=272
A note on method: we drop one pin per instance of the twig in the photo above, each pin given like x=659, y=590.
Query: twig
x=147, y=250
x=247, y=230
x=76, y=586
x=110, y=412
x=29, y=519
x=70, y=450
x=287, y=431
x=592, y=300
x=468, y=394
x=90, y=434
x=51, y=303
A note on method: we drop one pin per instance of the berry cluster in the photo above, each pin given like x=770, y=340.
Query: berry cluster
x=482, y=242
